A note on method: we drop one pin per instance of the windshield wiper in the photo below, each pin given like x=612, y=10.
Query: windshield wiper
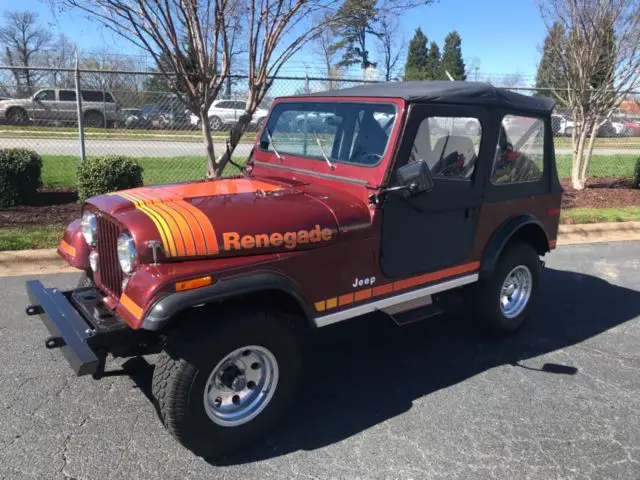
x=273, y=145
x=332, y=165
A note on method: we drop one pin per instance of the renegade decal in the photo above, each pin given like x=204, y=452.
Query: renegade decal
x=395, y=286
x=233, y=240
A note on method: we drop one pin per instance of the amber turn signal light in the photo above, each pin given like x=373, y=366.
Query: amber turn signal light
x=194, y=283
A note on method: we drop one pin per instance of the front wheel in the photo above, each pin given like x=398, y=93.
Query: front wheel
x=221, y=384
x=505, y=300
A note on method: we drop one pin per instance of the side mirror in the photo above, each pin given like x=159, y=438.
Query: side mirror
x=415, y=177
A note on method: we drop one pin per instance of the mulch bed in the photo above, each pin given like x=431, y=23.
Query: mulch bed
x=601, y=193
x=48, y=207
x=59, y=207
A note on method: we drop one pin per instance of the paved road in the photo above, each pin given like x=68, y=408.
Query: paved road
x=430, y=400
x=153, y=148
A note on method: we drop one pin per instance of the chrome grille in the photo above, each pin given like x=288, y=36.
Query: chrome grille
x=111, y=274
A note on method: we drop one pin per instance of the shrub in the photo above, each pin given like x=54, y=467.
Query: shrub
x=636, y=175
x=100, y=175
x=19, y=175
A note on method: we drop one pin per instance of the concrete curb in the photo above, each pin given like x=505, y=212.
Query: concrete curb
x=35, y=262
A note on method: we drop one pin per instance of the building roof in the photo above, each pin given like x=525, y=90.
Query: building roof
x=445, y=91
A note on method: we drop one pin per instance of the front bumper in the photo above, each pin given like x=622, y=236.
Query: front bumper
x=84, y=330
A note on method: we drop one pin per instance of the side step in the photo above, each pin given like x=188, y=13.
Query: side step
x=415, y=315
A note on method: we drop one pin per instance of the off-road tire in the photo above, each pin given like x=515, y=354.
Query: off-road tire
x=93, y=119
x=85, y=281
x=485, y=295
x=190, y=355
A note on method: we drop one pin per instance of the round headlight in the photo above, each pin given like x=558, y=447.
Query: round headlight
x=89, y=227
x=126, y=252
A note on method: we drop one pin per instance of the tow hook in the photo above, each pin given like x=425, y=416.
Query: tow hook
x=542, y=264
x=54, y=342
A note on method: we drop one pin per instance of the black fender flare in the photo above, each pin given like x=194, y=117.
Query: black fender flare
x=167, y=307
x=504, y=234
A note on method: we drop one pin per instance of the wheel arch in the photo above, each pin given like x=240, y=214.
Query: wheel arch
x=523, y=227
x=258, y=288
x=17, y=108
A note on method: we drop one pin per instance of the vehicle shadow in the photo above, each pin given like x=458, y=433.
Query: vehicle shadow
x=368, y=370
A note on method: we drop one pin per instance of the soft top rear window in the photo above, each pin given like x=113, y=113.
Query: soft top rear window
x=351, y=133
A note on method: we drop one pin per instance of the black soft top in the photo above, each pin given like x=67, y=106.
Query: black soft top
x=477, y=93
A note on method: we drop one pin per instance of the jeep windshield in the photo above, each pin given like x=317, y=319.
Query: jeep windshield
x=332, y=133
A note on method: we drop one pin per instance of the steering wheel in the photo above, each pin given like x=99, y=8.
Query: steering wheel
x=367, y=158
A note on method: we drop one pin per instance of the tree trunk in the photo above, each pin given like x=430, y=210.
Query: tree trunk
x=208, y=144
x=235, y=135
x=586, y=162
x=580, y=129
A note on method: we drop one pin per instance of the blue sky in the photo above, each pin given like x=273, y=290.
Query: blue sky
x=500, y=36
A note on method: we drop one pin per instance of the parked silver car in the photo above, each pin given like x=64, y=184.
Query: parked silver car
x=58, y=105
x=225, y=113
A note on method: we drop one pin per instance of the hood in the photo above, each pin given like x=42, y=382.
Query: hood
x=231, y=217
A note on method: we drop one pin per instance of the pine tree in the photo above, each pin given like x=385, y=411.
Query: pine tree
x=434, y=66
x=606, y=63
x=452, y=57
x=549, y=76
x=417, y=57
x=358, y=18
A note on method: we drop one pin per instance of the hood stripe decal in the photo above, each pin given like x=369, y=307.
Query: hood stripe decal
x=152, y=216
x=183, y=228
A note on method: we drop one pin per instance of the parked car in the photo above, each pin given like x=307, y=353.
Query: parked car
x=562, y=125
x=225, y=113
x=633, y=126
x=225, y=278
x=58, y=105
x=132, y=118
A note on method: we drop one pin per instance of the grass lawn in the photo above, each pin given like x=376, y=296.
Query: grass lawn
x=60, y=170
x=597, y=215
x=27, y=238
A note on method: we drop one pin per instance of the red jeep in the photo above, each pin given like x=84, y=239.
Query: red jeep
x=373, y=198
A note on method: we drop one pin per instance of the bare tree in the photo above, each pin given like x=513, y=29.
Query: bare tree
x=600, y=58
x=389, y=45
x=513, y=80
x=24, y=43
x=189, y=41
x=324, y=45
x=61, y=56
x=277, y=31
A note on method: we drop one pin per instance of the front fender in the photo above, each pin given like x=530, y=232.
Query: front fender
x=167, y=307
x=73, y=248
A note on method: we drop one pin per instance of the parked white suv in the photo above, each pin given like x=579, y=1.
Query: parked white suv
x=58, y=105
x=225, y=113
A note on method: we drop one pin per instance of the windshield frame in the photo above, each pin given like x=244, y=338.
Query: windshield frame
x=338, y=163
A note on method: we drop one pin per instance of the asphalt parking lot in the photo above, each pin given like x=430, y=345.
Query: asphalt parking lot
x=430, y=400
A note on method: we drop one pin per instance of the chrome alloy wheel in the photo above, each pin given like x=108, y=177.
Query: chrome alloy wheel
x=241, y=385
x=516, y=291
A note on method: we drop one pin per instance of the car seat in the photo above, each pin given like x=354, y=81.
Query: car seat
x=453, y=156
x=370, y=141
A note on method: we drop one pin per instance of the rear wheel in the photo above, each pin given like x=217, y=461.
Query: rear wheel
x=221, y=385
x=93, y=120
x=215, y=123
x=505, y=300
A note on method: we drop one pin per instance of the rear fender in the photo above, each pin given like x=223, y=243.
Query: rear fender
x=525, y=227
x=170, y=306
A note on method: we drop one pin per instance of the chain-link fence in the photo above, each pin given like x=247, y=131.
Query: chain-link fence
x=132, y=113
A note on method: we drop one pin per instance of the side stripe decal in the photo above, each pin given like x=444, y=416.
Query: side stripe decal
x=395, y=286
